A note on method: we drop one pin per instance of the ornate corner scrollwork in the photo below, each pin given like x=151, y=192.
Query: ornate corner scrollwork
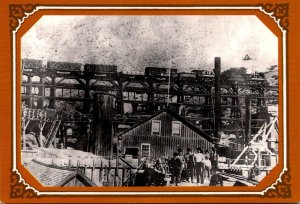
x=18, y=12
x=18, y=189
x=279, y=11
x=282, y=189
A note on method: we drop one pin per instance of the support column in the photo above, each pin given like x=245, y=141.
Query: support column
x=86, y=106
x=263, y=94
x=248, y=119
x=41, y=94
x=103, y=107
x=52, y=94
x=217, y=96
x=29, y=91
x=134, y=107
x=208, y=104
x=24, y=133
x=180, y=97
x=120, y=105
x=150, y=97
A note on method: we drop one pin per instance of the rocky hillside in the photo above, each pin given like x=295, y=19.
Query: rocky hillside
x=272, y=75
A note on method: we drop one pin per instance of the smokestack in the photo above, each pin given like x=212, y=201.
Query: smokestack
x=217, y=96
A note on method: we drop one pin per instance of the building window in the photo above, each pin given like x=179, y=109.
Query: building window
x=23, y=89
x=34, y=90
x=47, y=91
x=35, y=79
x=46, y=103
x=81, y=93
x=24, y=78
x=69, y=132
x=155, y=127
x=58, y=92
x=74, y=93
x=66, y=93
x=145, y=150
x=134, y=151
x=176, y=128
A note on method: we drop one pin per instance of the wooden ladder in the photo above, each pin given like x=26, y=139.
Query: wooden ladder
x=52, y=133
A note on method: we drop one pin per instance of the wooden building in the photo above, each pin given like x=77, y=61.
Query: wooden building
x=161, y=135
x=52, y=175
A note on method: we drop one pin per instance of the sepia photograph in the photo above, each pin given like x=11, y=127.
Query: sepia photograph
x=149, y=100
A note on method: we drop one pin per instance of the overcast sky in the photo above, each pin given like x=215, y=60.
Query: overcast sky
x=135, y=42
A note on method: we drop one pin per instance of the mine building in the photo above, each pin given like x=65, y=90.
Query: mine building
x=209, y=103
x=161, y=135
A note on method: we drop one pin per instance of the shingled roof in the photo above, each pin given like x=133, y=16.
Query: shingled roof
x=179, y=118
x=50, y=175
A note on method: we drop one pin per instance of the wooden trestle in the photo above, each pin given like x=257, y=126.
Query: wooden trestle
x=147, y=93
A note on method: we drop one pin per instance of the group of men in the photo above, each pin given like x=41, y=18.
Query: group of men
x=184, y=167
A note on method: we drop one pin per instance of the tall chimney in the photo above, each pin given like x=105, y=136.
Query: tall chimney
x=217, y=96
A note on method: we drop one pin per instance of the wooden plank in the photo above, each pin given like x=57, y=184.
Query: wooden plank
x=101, y=174
x=93, y=168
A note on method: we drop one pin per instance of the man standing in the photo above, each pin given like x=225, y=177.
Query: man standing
x=254, y=172
x=178, y=166
x=214, y=159
x=181, y=162
x=190, y=162
x=206, y=154
x=172, y=167
x=207, y=166
x=199, y=165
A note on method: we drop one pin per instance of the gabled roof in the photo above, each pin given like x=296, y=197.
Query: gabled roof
x=51, y=175
x=79, y=176
x=178, y=117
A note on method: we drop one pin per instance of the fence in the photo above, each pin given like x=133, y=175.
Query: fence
x=101, y=172
x=109, y=175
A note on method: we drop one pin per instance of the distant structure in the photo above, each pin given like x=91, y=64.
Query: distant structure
x=138, y=96
x=247, y=58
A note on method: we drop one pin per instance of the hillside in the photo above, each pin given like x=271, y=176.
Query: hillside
x=272, y=75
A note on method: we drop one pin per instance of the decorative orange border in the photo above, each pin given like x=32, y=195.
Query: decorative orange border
x=24, y=10
x=17, y=191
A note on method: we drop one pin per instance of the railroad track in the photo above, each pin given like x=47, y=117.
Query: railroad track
x=239, y=178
